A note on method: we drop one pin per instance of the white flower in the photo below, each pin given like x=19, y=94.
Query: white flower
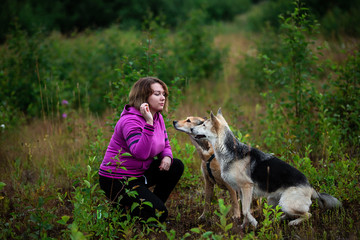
x=2, y=126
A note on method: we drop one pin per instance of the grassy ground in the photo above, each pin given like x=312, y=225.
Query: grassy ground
x=46, y=159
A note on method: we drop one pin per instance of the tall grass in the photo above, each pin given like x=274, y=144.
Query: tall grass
x=49, y=187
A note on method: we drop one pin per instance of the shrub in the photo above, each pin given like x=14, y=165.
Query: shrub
x=194, y=55
x=342, y=100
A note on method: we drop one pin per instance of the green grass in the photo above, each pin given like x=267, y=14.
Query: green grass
x=49, y=165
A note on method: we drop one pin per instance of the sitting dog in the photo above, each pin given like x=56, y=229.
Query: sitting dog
x=251, y=171
x=209, y=165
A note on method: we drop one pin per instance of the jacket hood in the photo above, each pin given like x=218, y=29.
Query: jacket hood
x=129, y=110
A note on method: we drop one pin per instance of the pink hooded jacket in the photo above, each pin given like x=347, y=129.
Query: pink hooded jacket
x=134, y=145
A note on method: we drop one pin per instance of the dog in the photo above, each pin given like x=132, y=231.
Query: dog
x=253, y=172
x=210, y=167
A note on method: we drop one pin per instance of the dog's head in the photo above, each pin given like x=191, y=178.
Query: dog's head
x=188, y=123
x=212, y=128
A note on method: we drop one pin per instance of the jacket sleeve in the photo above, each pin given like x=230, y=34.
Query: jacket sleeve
x=138, y=138
x=167, y=150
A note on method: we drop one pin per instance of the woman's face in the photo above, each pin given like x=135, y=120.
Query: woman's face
x=157, y=99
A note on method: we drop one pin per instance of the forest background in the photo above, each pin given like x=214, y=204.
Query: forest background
x=286, y=75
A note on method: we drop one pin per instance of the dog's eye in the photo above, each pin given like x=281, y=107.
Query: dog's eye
x=188, y=120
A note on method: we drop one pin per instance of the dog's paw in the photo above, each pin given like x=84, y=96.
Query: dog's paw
x=254, y=223
x=244, y=225
x=251, y=220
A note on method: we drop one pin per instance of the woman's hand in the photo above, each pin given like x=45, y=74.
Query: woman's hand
x=165, y=164
x=145, y=112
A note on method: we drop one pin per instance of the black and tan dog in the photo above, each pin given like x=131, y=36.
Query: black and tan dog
x=255, y=173
x=209, y=165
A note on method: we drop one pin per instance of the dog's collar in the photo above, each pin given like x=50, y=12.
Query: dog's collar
x=208, y=166
x=211, y=158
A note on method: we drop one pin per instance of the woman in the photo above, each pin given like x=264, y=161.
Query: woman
x=139, y=149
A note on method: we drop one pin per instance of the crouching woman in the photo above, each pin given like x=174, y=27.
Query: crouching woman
x=139, y=150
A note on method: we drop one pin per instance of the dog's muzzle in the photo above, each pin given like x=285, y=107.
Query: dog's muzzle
x=197, y=136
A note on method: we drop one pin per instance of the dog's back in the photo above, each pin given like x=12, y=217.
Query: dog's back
x=271, y=173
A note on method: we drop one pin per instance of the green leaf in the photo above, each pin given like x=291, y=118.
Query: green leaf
x=87, y=183
x=195, y=230
x=2, y=185
x=148, y=203
x=93, y=188
x=126, y=154
x=228, y=227
x=63, y=220
x=207, y=234
x=134, y=205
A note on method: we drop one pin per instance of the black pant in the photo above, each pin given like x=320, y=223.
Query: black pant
x=164, y=182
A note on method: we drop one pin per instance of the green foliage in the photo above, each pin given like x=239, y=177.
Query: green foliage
x=315, y=130
x=18, y=72
x=227, y=9
x=268, y=13
x=191, y=56
x=42, y=219
x=194, y=54
x=342, y=100
x=224, y=226
x=52, y=76
x=292, y=96
x=312, y=130
x=39, y=73
x=186, y=153
x=336, y=17
x=224, y=210
x=294, y=103
x=68, y=16
x=270, y=223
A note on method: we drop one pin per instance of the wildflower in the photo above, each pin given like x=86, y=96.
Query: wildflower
x=64, y=115
x=64, y=102
x=2, y=126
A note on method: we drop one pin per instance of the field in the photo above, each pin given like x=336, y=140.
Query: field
x=293, y=93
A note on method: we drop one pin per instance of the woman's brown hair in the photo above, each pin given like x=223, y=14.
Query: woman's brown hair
x=141, y=91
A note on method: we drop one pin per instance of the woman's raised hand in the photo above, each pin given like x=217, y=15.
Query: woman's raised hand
x=145, y=111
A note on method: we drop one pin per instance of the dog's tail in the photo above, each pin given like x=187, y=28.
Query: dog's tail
x=325, y=200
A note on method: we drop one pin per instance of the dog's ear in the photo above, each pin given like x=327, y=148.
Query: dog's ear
x=214, y=120
x=220, y=116
x=212, y=116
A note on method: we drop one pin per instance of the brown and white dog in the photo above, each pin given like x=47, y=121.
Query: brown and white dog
x=209, y=165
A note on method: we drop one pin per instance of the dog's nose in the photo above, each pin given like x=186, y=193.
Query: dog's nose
x=174, y=122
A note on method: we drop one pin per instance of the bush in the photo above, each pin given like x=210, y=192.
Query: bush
x=298, y=114
x=342, y=100
x=194, y=55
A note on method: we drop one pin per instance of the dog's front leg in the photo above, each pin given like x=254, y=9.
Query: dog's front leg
x=234, y=203
x=246, y=194
x=209, y=190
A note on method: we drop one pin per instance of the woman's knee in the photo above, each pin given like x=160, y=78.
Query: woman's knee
x=177, y=166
